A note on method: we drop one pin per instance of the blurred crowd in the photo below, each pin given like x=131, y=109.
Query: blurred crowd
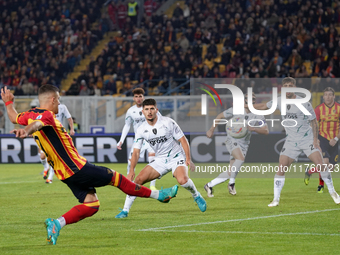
x=43, y=40
x=216, y=39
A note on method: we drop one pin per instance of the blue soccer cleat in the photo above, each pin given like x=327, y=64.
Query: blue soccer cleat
x=201, y=203
x=122, y=214
x=166, y=194
x=53, y=228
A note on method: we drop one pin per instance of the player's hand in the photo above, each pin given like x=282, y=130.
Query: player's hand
x=72, y=132
x=192, y=166
x=210, y=133
x=131, y=175
x=119, y=146
x=6, y=95
x=21, y=133
x=332, y=142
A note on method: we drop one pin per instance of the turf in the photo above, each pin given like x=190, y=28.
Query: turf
x=238, y=224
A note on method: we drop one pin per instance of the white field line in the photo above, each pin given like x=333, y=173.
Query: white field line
x=238, y=220
x=2, y=183
x=243, y=232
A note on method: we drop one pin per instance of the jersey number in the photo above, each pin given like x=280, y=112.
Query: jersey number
x=181, y=162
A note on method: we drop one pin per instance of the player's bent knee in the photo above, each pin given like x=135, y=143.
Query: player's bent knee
x=182, y=180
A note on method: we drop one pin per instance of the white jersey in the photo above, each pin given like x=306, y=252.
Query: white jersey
x=259, y=121
x=62, y=113
x=161, y=137
x=303, y=129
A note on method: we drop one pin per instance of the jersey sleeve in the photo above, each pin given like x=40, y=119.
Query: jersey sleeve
x=138, y=143
x=128, y=119
x=228, y=114
x=309, y=108
x=67, y=113
x=26, y=118
x=176, y=130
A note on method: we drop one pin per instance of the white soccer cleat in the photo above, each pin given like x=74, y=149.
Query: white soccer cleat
x=231, y=188
x=208, y=190
x=275, y=202
x=335, y=197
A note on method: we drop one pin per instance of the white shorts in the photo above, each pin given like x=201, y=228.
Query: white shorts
x=165, y=165
x=232, y=144
x=145, y=147
x=293, y=149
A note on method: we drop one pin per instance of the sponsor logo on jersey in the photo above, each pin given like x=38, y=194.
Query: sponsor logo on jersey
x=161, y=139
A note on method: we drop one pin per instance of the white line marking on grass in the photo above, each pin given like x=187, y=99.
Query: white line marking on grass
x=1, y=183
x=243, y=232
x=235, y=220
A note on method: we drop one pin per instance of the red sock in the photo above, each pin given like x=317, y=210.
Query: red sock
x=80, y=212
x=128, y=187
x=321, y=182
x=313, y=170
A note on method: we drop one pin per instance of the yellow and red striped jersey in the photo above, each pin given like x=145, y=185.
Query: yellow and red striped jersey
x=329, y=120
x=53, y=139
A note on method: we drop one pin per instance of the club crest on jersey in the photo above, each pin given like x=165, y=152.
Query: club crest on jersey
x=288, y=106
x=246, y=117
x=140, y=113
x=39, y=117
x=154, y=131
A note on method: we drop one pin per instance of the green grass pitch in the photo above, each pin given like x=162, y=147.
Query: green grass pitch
x=304, y=223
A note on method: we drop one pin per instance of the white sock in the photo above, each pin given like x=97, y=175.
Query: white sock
x=45, y=164
x=279, y=181
x=327, y=178
x=62, y=221
x=235, y=169
x=128, y=202
x=154, y=194
x=153, y=183
x=219, y=179
x=191, y=187
x=50, y=174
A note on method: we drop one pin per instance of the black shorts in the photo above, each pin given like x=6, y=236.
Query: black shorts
x=87, y=179
x=330, y=152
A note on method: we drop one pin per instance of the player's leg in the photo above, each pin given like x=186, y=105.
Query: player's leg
x=279, y=178
x=129, y=160
x=147, y=174
x=153, y=182
x=222, y=177
x=181, y=174
x=43, y=161
x=88, y=207
x=316, y=158
x=238, y=155
x=321, y=182
x=50, y=176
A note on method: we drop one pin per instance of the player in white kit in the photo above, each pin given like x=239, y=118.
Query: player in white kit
x=237, y=147
x=163, y=135
x=135, y=116
x=301, y=137
x=62, y=113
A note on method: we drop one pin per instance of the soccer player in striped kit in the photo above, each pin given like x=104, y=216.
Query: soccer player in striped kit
x=328, y=117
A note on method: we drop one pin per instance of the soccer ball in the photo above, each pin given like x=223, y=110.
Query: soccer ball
x=236, y=127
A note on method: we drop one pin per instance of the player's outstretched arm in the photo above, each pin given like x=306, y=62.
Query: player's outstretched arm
x=70, y=123
x=8, y=98
x=134, y=160
x=28, y=130
x=210, y=132
x=125, y=131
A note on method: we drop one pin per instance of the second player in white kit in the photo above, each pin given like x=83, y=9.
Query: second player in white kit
x=163, y=135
